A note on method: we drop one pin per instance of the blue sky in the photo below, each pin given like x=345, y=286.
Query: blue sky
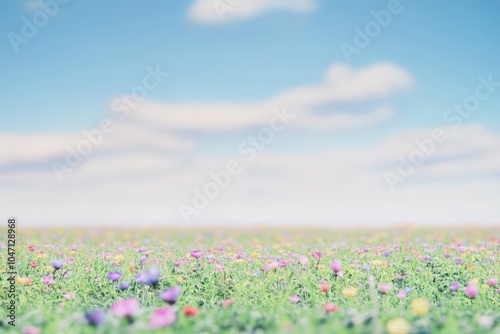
x=65, y=78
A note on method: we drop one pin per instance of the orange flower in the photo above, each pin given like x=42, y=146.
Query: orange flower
x=191, y=311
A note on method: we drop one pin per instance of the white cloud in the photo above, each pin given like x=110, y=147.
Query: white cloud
x=221, y=11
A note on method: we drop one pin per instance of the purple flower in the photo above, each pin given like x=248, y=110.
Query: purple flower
x=163, y=317
x=401, y=294
x=336, y=266
x=114, y=276
x=304, y=260
x=57, y=264
x=95, y=317
x=427, y=258
x=384, y=288
x=386, y=254
x=124, y=285
x=196, y=253
x=150, y=276
x=171, y=294
x=458, y=261
x=454, y=286
x=446, y=256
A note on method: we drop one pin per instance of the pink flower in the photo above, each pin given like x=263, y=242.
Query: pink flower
x=163, y=317
x=31, y=248
x=125, y=308
x=492, y=281
x=196, y=253
x=31, y=330
x=330, y=307
x=69, y=295
x=401, y=294
x=384, y=288
x=219, y=267
x=33, y=265
x=317, y=255
x=48, y=280
x=303, y=260
x=294, y=299
x=336, y=266
x=471, y=290
x=228, y=302
x=273, y=265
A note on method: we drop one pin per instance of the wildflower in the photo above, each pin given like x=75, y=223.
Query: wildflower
x=273, y=265
x=69, y=295
x=471, y=290
x=165, y=316
x=73, y=248
x=31, y=248
x=33, y=265
x=48, y=280
x=454, y=286
x=23, y=280
x=330, y=307
x=57, y=264
x=196, y=253
x=125, y=308
x=118, y=258
x=171, y=294
x=336, y=266
x=316, y=255
x=324, y=287
x=304, y=260
x=95, y=317
x=350, y=292
x=458, y=261
x=294, y=299
x=191, y=311
x=387, y=253
x=492, y=281
x=420, y=306
x=114, y=276
x=150, y=276
x=384, y=288
x=486, y=321
x=397, y=326
x=401, y=294
x=124, y=286
x=31, y=330
x=227, y=302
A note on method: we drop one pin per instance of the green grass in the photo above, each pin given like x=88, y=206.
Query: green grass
x=261, y=299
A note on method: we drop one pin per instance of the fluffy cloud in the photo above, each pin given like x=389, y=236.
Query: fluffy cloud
x=220, y=11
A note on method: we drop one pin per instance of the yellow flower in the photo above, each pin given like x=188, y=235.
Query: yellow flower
x=239, y=261
x=350, y=292
x=377, y=262
x=321, y=266
x=23, y=280
x=397, y=326
x=119, y=258
x=254, y=255
x=420, y=306
x=48, y=268
x=180, y=279
x=41, y=255
x=474, y=281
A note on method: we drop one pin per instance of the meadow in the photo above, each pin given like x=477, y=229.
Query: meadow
x=394, y=281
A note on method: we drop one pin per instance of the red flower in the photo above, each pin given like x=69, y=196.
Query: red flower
x=324, y=287
x=191, y=311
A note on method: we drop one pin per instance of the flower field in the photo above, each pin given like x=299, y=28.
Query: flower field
x=393, y=281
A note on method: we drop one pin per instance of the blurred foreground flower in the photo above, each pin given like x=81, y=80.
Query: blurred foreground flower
x=384, y=288
x=397, y=326
x=148, y=277
x=227, y=302
x=330, y=307
x=126, y=308
x=471, y=290
x=420, y=306
x=95, y=317
x=165, y=316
